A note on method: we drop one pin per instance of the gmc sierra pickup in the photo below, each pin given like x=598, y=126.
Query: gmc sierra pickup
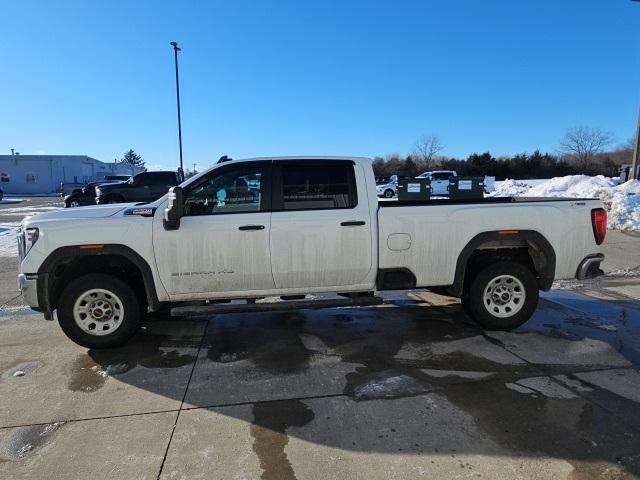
x=287, y=227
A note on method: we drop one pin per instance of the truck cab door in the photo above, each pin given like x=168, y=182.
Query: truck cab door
x=321, y=227
x=222, y=243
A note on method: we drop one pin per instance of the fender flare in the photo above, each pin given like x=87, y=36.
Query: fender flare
x=529, y=236
x=56, y=257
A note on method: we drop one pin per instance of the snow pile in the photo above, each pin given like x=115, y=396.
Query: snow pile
x=582, y=186
x=511, y=188
x=624, y=212
x=622, y=201
x=9, y=239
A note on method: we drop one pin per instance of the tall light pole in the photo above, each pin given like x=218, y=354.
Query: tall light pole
x=636, y=149
x=176, y=49
x=636, y=153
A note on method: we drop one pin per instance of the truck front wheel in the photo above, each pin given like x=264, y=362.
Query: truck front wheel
x=502, y=296
x=99, y=311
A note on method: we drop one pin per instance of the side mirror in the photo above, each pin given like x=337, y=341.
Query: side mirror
x=173, y=213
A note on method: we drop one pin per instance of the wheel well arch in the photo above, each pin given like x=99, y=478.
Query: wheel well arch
x=66, y=263
x=526, y=246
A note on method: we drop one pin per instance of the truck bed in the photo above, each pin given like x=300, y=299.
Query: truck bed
x=428, y=241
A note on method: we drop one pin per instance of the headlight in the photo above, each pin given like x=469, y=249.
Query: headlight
x=29, y=238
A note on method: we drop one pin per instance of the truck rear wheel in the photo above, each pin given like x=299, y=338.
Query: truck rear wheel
x=99, y=311
x=501, y=296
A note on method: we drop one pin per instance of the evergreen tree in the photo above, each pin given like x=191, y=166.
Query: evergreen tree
x=133, y=159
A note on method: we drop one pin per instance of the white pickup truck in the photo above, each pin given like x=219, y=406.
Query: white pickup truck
x=288, y=227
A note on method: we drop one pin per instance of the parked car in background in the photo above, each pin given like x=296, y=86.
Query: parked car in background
x=439, y=180
x=79, y=197
x=1, y=194
x=388, y=189
x=144, y=187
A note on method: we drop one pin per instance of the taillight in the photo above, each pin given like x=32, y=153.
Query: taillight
x=599, y=224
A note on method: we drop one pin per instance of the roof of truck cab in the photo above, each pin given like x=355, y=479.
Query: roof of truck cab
x=301, y=157
x=286, y=158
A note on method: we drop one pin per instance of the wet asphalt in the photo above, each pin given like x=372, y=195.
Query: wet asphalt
x=409, y=389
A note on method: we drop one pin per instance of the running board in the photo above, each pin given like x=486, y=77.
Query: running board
x=275, y=306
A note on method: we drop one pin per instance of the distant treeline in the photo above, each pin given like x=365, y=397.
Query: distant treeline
x=535, y=165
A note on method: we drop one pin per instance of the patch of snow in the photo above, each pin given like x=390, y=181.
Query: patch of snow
x=624, y=272
x=26, y=210
x=10, y=200
x=9, y=239
x=387, y=384
x=622, y=201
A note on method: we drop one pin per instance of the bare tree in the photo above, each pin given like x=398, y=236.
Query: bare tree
x=582, y=144
x=428, y=147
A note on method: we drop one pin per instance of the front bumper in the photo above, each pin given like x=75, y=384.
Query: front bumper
x=590, y=266
x=28, y=284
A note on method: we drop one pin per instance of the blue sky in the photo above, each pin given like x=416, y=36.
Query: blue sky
x=324, y=77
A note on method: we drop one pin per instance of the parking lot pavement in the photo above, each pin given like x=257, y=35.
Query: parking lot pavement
x=411, y=389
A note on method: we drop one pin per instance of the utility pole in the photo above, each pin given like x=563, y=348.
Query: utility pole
x=176, y=49
x=636, y=152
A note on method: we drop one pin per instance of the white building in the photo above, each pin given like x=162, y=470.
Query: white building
x=30, y=174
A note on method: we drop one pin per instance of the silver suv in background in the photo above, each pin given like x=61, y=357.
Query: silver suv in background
x=388, y=189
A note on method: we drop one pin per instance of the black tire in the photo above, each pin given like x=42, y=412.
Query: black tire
x=473, y=301
x=130, y=306
x=388, y=193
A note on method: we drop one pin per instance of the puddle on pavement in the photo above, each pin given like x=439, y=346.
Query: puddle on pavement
x=24, y=441
x=268, y=430
x=273, y=344
x=588, y=437
x=8, y=312
x=578, y=317
x=90, y=370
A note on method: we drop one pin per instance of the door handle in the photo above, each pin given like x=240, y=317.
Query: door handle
x=251, y=227
x=353, y=223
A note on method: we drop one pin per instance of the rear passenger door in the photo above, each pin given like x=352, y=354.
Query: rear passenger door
x=320, y=225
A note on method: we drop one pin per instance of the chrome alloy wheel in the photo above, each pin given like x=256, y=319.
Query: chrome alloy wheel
x=98, y=312
x=504, y=296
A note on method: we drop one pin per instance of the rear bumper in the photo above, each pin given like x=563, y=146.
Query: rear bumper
x=590, y=266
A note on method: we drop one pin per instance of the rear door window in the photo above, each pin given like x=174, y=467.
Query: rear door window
x=318, y=187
